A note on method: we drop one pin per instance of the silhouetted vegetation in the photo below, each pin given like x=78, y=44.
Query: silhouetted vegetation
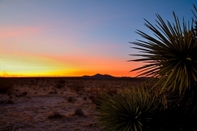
x=55, y=115
x=171, y=64
x=133, y=110
x=60, y=84
x=79, y=112
x=6, y=85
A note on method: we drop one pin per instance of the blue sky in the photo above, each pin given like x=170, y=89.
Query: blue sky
x=77, y=37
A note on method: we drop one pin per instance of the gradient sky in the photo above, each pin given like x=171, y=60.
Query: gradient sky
x=77, y=37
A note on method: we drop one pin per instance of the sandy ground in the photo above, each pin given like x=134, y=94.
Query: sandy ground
x=55, y=104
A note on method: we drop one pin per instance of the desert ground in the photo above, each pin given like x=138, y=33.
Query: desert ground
x=56, y=104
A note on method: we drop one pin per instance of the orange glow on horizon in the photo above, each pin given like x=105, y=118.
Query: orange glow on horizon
x=31, y=65
x=66, y=74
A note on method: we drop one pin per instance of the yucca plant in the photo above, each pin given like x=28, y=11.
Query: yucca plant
x=133, y=110
x=171, y=56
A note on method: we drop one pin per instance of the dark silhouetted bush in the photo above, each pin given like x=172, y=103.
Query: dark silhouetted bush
x=55, y=115
x=79, y=112
x=6, y=85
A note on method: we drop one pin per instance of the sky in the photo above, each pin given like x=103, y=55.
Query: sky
x=77, y=37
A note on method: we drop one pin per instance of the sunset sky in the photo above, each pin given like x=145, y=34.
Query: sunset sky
x=77, y=37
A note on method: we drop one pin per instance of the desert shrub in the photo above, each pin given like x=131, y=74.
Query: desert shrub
x=77, y=86
x=71, y=99
x=6, y=101
x=96, y=99
x=60, y=84
x=53, y=92
x=79, y=112
x=6, y=84
x=133, y=110
x=10, y=127
x=24, y=93
x=84, y=98
x=111, y=91
x=55, y=115
x=177, y=120
x=174, y=115
x=92, y=98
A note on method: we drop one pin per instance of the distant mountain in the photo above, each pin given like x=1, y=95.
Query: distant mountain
x=99, y=76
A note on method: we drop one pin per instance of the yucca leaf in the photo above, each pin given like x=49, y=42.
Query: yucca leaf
x=170, y=54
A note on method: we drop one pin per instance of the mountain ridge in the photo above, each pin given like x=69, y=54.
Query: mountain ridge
x=98, y=75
